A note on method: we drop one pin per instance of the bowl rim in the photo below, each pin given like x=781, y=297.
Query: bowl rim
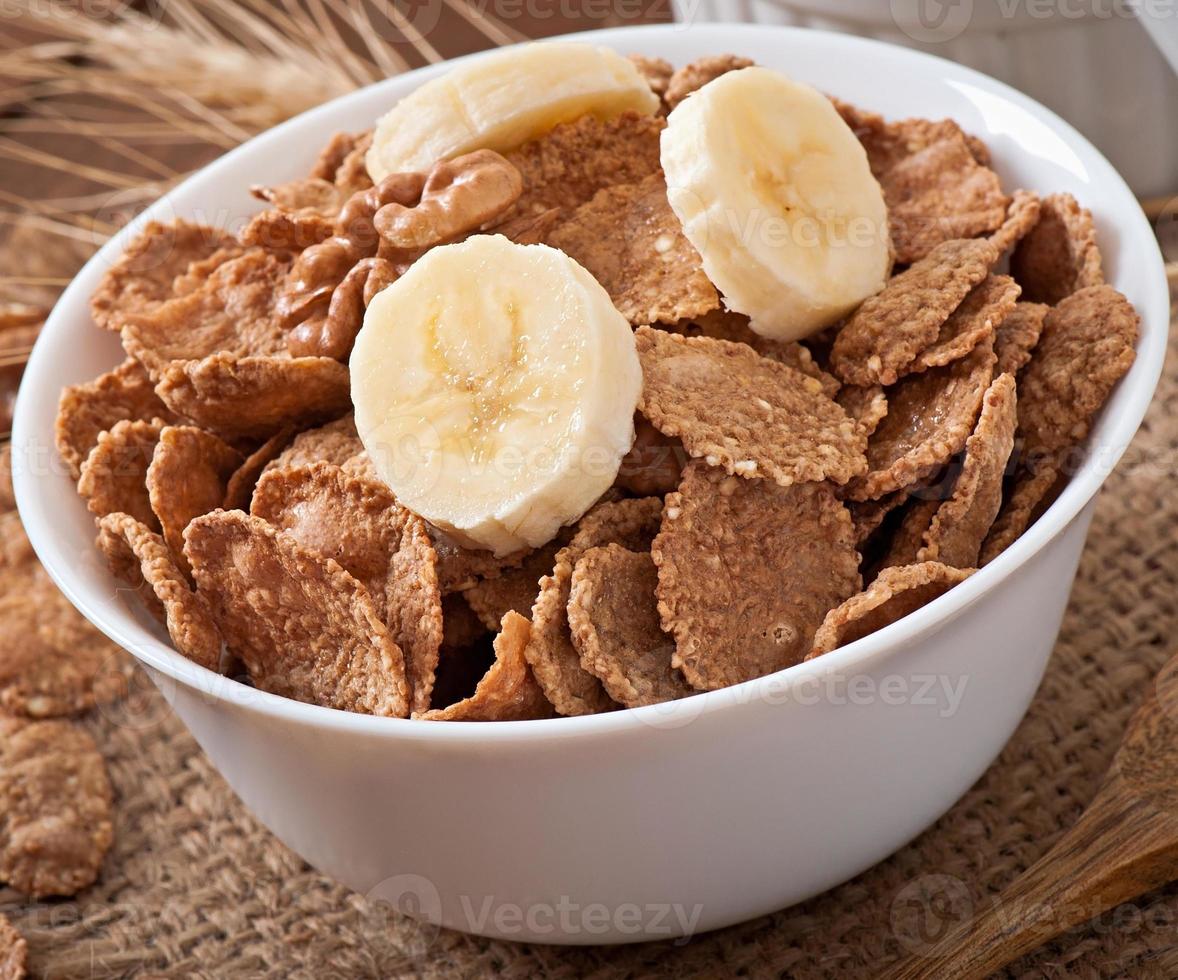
x=1083, y=486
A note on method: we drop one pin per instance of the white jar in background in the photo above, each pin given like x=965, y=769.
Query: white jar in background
x=1089, y=60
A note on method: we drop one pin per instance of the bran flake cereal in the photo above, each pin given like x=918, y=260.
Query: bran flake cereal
x=555, y=661
x=360, y=525
x=413, y=603
x=867, y=406
x=567, y=166
x=461, y=568
x=933, y=422
x=55, y=807
x=353, y=522
x=868, y=515
x=188, y=476
x=461, y=627
x=614, y=618
x=935, y=178
x=1021, y=216
x=53, y=663
x=908, y=539
x=254, y=397
x=895, y=593
x=962, y=522
x=746, y=571
x=85, y=410
x=512, y=589
x=142, y=278
x=629, y=239
x=114, y=476
x=654, y=463
x=974, y=321
x=307, y=197
x=239, y=489
x=1022, y=503
x=507, y=692
x=1017, y=336
x=1059, y=254
x=930, y=415
x=883, y=337
x=303, y=627
x=140, y=557
x=1086, y=346
x=746, y=413
x=232, y=312
x=721, y=324
x=336, y=442
x=283, y=231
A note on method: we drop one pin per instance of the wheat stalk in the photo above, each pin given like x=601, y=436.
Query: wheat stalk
x=200, y=73
x=249, y=66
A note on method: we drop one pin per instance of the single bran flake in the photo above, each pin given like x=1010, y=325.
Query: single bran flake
x=304, y=628
x=55, y=807
x=746, y=570
x=631, y=242
x=895, y=593
x=930, y=416
x=508, y=691
x=751, y=415
x=614, y=617
x=886, y=334
x=961, y=524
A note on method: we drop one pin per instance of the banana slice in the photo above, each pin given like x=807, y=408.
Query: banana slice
x=495, y=387
x=500, y=101
x=774, y=191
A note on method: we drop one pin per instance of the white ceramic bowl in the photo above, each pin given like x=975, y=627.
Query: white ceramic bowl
x=669, y=819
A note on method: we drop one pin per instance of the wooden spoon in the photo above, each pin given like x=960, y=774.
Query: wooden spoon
x=1124, y=845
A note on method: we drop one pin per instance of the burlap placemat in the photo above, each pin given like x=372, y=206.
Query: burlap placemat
x=195, y=887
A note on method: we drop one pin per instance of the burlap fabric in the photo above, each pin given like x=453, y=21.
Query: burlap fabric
x=195, y=887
